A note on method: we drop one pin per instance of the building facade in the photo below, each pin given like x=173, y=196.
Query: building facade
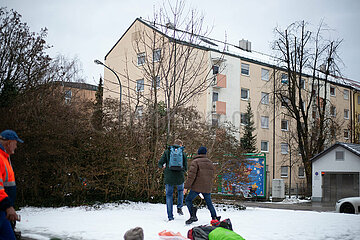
x=238, y=76
x=78, y=91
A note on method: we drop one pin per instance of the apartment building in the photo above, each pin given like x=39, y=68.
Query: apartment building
x=78, y=91
x=238, y=76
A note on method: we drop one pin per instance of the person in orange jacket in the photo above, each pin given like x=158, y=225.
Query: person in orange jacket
x=8, y=144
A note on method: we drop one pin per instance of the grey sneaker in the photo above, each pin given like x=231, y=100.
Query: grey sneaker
x=179, y=211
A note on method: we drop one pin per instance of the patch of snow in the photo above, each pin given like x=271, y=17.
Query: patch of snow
x=111, y=221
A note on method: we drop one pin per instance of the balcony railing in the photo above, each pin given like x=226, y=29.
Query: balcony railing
x=219, y=108
x=219, y=81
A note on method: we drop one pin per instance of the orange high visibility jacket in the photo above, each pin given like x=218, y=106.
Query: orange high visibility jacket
x=7, y=178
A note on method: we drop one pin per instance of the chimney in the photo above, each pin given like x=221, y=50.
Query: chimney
x=245, y=45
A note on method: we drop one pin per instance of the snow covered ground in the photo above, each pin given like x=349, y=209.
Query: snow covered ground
x=111, y=221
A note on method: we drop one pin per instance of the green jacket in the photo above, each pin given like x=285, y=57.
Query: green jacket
x=172, y=177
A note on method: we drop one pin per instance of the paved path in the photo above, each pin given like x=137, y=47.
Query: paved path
x=305, y=206
x=308, y=206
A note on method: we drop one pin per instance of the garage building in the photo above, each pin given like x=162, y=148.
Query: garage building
x=335, y=173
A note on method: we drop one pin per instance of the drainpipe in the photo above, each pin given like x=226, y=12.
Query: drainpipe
x=352, y=112
x=274, y=105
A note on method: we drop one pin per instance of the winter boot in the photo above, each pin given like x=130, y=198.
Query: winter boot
x=179, y=211
x=17, y=235
x=194, y=210
x=193, y=217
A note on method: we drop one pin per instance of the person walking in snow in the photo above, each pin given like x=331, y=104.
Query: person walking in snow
x=174, y=163
x=8, y=216
x=200, y=180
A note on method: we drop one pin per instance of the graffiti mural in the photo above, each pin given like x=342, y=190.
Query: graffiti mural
x=255, y=186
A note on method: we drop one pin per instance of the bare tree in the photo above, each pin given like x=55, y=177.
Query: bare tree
x=307, y=57
x=177, y=67
x=174, y=65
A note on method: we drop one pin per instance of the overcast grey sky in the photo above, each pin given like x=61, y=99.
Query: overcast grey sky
x=87, y=29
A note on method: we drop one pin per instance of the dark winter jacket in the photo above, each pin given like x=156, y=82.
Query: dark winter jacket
x=201, y=175
x=172, y=177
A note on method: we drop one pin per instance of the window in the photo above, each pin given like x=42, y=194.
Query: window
x=215, y=122
x=264, y=146
x=299, y=151
x=264, y=74
x=215, y=97
x=156, y=55
x=157, y=82
x=139, y=111
x=333, y=111
x=346, y=113
x=339, y=155
x=140, y=59
x=284, y=78
x=284, y=171
x=313, y=92
x=140, y=85
x=346, y=94
x=358, y=99
x=68, y=95
x=244, y=94
x=301, y=172
x=264, y=98
x=284, y=101
x=302, y=83
x=346, y=134
x=245, y=69
x=215, y=69
x=303, y=105
x=332, y=91
x=314, y=112
x=243, y=119
x=284, y=148
x=358, y=118
x=284, y=125
x=264, y=122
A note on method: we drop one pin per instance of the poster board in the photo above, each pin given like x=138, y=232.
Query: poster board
x=255, y=170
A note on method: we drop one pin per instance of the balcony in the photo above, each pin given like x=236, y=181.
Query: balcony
x=219, y=81
x=219, y=108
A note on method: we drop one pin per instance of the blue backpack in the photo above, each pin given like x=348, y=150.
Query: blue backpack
x=176, y=158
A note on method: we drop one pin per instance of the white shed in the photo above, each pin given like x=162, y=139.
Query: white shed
x=335, y=172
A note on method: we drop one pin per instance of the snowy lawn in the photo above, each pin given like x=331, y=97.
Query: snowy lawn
x=111, y=221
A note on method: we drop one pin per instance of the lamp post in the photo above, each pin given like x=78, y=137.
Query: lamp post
x=101, y=63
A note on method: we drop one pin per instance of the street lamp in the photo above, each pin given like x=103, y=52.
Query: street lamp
x=101, y=63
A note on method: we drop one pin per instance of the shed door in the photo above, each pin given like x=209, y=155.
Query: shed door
x=340, y=185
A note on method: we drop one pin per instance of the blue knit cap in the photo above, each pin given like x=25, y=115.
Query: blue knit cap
x=202, y=150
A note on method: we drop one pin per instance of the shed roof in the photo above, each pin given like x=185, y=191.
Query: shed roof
x=352, y=147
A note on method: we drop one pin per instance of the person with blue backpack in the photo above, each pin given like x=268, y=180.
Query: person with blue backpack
x=174, y=163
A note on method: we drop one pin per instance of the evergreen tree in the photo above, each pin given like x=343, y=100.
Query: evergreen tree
x=97, y=117
x=248, y=140
x=23, y=58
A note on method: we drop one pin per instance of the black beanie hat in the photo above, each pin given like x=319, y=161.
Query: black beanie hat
x=202, y=150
